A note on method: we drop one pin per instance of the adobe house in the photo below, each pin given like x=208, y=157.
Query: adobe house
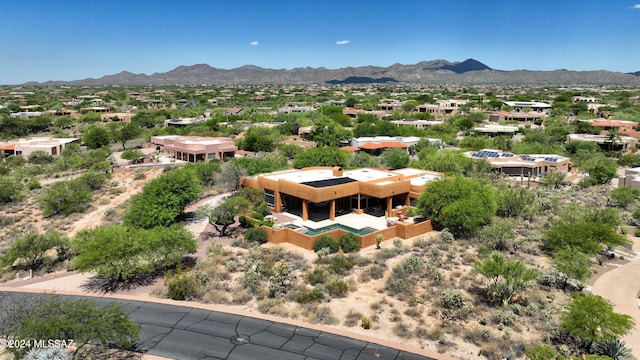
x=522, y=165
x=318, y=193
x=196, y=148
x=50, y=145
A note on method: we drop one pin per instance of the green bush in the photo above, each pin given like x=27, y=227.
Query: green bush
x=637, y=232
x=316, y=276
x=337, y=288
x=309, y=295
x=349, y=243
x=341, y=264
x=326, y=241
x=181, y=286
x=258, y=235
x=245, y=222
x=377, y=271
x=540, y=352
x=452, y=298
x=366, y=323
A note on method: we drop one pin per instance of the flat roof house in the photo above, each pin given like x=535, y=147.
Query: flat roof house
x=196, y=148
x=24, y=147
x=623, y=143
x=530, y=166
x=332, y=201
x=324, y=192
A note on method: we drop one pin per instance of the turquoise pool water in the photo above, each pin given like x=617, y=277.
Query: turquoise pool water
x=312, y=232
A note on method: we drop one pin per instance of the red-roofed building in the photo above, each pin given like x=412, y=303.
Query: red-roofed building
x=625, y=127
x=376, y=148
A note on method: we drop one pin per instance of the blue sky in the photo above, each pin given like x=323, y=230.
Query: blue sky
x=44, y=40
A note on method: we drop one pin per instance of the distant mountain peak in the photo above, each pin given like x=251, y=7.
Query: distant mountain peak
x=440, y=71
x=466, y=66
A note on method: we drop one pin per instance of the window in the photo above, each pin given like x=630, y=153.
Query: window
x=269, y=197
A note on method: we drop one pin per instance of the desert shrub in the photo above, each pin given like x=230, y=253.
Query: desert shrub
x=319, y=314
x=245, y=222
x=273, y=306
x=504, y=317
x=349, y=242
x=181, y=285
x=326, y=241
x=340, y=264
x=447, y=236
x=365, y=322
x=376, y=271
x=540, y=352
x=452, y=298
x=316, y=276
x=256, y=235
x=352, y=318
x=308, y=295
x=402, y=330
x=337, y=287
x=252, y=281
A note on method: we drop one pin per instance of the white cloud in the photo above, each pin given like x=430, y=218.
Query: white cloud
x=636, y=6
x=342, y=42
x=254, y=43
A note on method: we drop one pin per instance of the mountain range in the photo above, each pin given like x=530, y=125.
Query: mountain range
x=469, y=71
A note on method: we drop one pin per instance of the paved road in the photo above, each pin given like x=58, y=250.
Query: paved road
x=179, y=332
x=620, y=286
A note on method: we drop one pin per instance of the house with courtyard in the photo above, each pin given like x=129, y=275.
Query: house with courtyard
x=362, y=201
x=195, y=148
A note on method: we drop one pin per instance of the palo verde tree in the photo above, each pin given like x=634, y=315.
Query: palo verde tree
x=460, y=204
x=163, y=199
x=121, y=252
x=29, y=251
x=505, y=278
x=586, y=230
x=591, y=318
x=321, y=156
x=83, y=321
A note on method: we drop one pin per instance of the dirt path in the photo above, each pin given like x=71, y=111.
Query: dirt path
x=132, y=187
x=620, y=286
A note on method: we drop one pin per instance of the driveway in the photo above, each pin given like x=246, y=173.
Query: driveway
x=621, y=286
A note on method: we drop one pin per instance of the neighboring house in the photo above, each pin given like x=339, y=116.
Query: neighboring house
x=417, y=123
x=117, y=117
x=233, y=111
x=631, y=178
x=325, y=192
x=63, y=112
x=530, y=166
x=520, y=116
x=295, y=109
x=50, y=145
x=493, y=130
x=621, y=126
x=195, y=148
x=519, y=106
x=26, y=114
x=622, y=143
x=304, y=131
x=95, y=109
x=382, y=142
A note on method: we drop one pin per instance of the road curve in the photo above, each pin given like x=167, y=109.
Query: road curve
x=182, y=332
x=620, y=286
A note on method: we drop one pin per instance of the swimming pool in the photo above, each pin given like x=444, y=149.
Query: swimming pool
x=312, y=232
